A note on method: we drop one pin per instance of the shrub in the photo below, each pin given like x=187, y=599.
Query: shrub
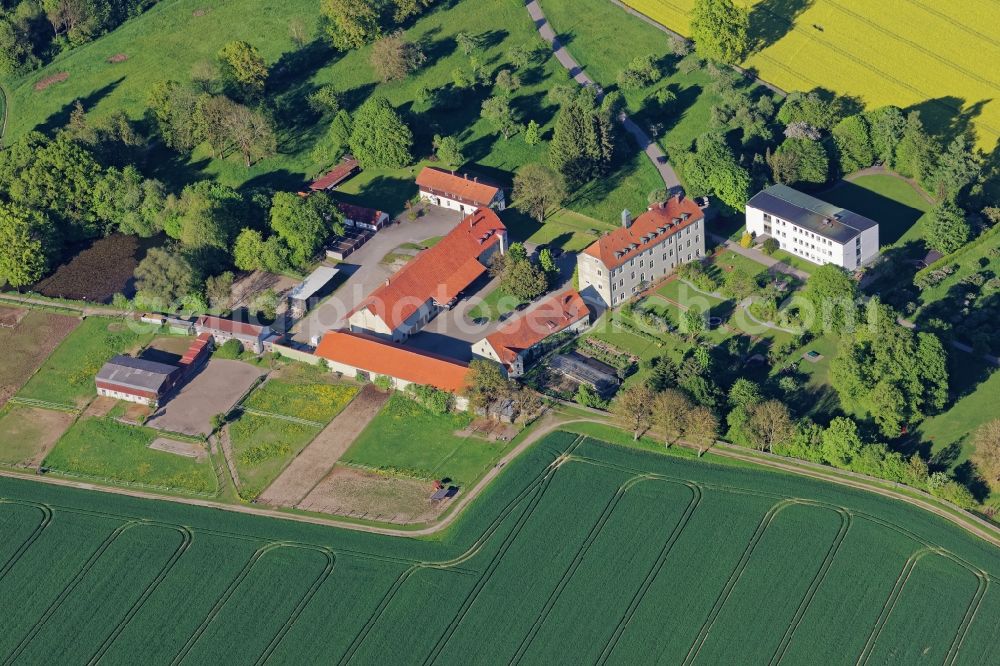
x=230, y=349
x=435, y=400
x=746, y=240
x=769, y=247
x=383, y=382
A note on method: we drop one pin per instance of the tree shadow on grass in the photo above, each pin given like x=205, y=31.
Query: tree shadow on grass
x=387, y=193
x=894, y=218
x=771, y=20
x=60, y=118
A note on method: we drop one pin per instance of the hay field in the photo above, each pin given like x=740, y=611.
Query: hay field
x=943, y=59
x=582, y=552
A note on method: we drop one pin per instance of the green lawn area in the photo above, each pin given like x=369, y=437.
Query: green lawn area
x=822, y=400
x=977, y=258
x=263, y=446
x=969, y=412
x=494, y=305
x=888, y=199
x=565, y=229
x=190, y=36
x=790, y=259
x=407, y=438
x=67, y=377
x=119, y=453
x=305, y=397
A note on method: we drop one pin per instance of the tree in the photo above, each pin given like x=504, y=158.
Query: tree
x=840, y=442
x=701, y=427
x=537, y=189
x=520, y=56
x=852, y=136
x=523, y=280
x=248, y=250
x=164, y=276
x=947, y=229
x=468, y=42
x=533, y=133
x=583, y=141
x=886, y=125
x=800, y=161
x=379, y=137
x=507, y=82
x=448, y=150
x=547, y=262
x=174, y=108
x=957, y=167
x=693, y=323
x=393, y=58
x=405, y=9
x=351, y=23
x=17, y=50
x=713, y=168
x=498, y=110
x=218, y=290
x=633, y=408
x=243, y=64
x=719, y=29
x=833, y=296
x=487, y=385
x=987, y=451
x=588, y=397
x=129, y=202
x=206, y=215
x=300, y=224
x=251, y=133
x=916, y=151
x=670, y=413
x=297, y=32
x=24, y=245
x=744, y=393
x=770, y=424
x=739, y=284
x=820, y=109
x=324, y=100
x=642, y=71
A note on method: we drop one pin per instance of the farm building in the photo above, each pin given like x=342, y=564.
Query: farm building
x=515, y=344
x=251, y=336
x=360, y=216
x=136, y=380
x=197, y=353
x=619, y=264
x=457, y=191
x=367, y=357
x=305, y=294
x=335, y=176
x=433, y=280
x=811, y=228
x=342, y=246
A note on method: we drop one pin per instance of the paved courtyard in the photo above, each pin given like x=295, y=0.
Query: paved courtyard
x=213, y=391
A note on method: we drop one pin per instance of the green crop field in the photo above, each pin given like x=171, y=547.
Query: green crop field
x=581, y=552
x=911, y=53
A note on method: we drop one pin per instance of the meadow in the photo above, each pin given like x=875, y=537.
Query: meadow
x=913, y=54
x=581, y=552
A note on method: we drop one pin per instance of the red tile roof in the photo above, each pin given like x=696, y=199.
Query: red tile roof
x=360, y=213
x=336, y=175
x=438, y=273
x=458, y=187
x=229, y=326
x=386, y=358
x=196, y=348
x=655, y=225
x=547, y=318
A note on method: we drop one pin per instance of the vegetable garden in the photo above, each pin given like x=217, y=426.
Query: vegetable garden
x=581, y=552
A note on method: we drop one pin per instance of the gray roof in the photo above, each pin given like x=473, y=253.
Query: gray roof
x=136, y=373
x=833, y=222
x=318, y=279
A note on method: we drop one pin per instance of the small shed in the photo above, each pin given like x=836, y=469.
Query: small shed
x=335, y=176
x=310, y=290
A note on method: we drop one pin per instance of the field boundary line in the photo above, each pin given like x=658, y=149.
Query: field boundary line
x=331, y=562
x=652, y=574
x=581, y=554
x=283, y=417
x=890, y=602
x=68, y=589
x=186, y=538
x=35, y=533
x=734, y=578
x=44, y=404
x=967, y=620
x=824, y=569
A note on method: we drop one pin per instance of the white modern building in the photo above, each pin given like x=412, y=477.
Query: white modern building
x=642, y=252
x=459, y=192
x=810, y=228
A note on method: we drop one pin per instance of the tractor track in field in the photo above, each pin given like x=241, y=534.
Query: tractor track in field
x=47, y=515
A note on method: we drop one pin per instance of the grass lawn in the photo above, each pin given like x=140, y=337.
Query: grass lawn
x=118, y=453
x=819, y=398
x=409, y=439
x=67, y=377
x=975, y=407
x=977, y=258
x=912, y=56
x=888, y=199
x=303, y=397
x=790, y=259
x=174, y=28
x=565, y=229
x=263, y=446
x=494, y=305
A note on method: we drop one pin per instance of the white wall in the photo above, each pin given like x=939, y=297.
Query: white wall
x=461, y=402
x=498, y=202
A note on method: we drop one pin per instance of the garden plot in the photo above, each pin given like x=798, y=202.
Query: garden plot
x=27, y=338
x=358, y=493
x=214, y=390
x=27, y=434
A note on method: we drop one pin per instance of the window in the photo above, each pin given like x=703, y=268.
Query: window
x=599, y=272
x=767, y=217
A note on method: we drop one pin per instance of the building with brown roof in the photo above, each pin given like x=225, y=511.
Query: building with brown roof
x=433, y=280
x=459, y=192
x=641, y=252
x=335, y=176
x=360, y=216
x=251, y=336
x=518, y=341
x=367, y=357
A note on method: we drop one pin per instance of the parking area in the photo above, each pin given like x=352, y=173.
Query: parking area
x=213, y=391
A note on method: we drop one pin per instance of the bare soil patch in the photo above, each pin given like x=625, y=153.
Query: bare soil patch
x=100, y=406
x=200, y=12
x=167, y=349
x=99, y=271
x=28, y=344
x=10, y=318
x=186, y=449
x=118, y=57
x=27, y=434
x=134, y=412
x=309, y=467
x=213, y=391
x=51, y=80
x=356, y=493
x=248, y=287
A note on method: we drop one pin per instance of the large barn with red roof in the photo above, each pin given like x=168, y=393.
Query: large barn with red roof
x=459, y=192
x=433, y=280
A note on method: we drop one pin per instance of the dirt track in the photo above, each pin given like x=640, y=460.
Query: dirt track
x=315, y=461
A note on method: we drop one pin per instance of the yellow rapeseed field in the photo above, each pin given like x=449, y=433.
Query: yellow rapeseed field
x=944, y=58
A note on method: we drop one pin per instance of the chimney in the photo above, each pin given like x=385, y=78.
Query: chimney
x=387, y=282
x=626, y=218
x=663, y=204
x=475, y=179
